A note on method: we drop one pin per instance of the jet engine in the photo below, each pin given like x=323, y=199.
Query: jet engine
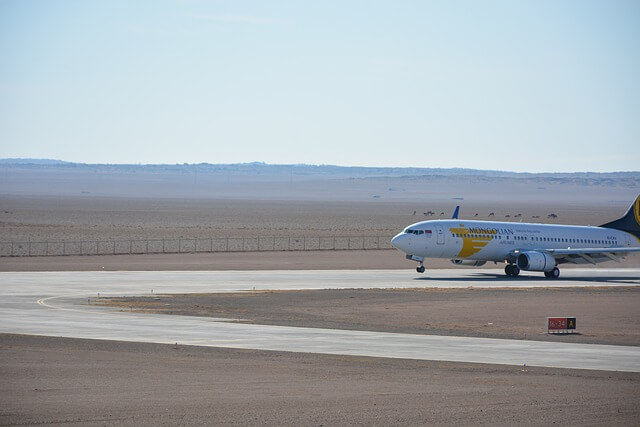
x=536, y=261
x=468, y=262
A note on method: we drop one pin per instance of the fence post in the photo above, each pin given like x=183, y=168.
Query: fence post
x=64, y=247
x=29, y=248
x=130, y=244
x=147, y=247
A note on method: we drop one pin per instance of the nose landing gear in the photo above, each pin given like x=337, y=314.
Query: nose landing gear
x=420, y=268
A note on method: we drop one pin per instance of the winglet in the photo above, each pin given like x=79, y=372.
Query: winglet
x=456, y=212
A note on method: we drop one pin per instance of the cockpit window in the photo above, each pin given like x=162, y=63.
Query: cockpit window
x=409, y=231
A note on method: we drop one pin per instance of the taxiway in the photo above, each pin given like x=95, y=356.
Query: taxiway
x=56, y=304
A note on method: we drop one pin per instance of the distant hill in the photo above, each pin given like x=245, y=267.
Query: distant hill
x=33, y=162
x=284, y=172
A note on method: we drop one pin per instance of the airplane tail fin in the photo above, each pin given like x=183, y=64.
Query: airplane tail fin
x=630, y=222
x=456, y=212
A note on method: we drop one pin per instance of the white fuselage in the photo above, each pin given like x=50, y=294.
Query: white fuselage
x=496, y=241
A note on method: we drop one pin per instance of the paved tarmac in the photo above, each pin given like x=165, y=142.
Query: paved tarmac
x=56, y=304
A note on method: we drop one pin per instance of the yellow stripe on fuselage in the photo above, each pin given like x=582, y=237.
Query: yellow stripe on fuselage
x=471, y=243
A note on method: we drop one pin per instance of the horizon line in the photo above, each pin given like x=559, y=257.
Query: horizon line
x=57, y=162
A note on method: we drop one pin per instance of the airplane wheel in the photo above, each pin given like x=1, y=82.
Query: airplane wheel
x=553, y=274
x=420, y=269
x=509, y=270
x=515, y=271
x=512, y=270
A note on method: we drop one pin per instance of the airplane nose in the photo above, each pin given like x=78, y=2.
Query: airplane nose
x=401, y=241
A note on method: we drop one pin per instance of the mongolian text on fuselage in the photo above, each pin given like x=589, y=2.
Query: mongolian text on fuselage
x=476, y=230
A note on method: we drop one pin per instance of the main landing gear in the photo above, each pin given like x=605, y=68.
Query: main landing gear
x=420, y=268
x=512, y=270
x=553, y=274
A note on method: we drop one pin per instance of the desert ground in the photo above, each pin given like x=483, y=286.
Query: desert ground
x=31, y=218
x=49, y=380
x=607, y=315
x=106, y=202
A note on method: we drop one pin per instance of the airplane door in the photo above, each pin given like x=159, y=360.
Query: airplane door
x=440, y=234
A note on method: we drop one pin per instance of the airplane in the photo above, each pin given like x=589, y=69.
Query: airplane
x=522, y=246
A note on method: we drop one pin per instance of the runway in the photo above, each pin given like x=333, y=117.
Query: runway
x=55, y=304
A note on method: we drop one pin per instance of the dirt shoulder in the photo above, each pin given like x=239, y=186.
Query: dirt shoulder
x=50, y=380
x=604, y=315
x=293, y=260
x=282, y=260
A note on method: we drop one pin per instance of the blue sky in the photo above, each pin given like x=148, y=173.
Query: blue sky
x=511, y=85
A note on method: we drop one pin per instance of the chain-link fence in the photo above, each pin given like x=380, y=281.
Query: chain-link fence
x=213, y=244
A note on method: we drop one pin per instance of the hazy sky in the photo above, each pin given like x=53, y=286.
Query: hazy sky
x=512, y=85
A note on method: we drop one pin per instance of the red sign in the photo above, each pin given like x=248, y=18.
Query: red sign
x=556, y=323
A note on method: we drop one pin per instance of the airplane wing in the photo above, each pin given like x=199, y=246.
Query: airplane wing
x=589, y=255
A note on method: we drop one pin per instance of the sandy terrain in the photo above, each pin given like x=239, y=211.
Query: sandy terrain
x=291, y=260
x=294, y=260
x=66, y=381
x=46, y=218
x=49, y=380
x=605, y=315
